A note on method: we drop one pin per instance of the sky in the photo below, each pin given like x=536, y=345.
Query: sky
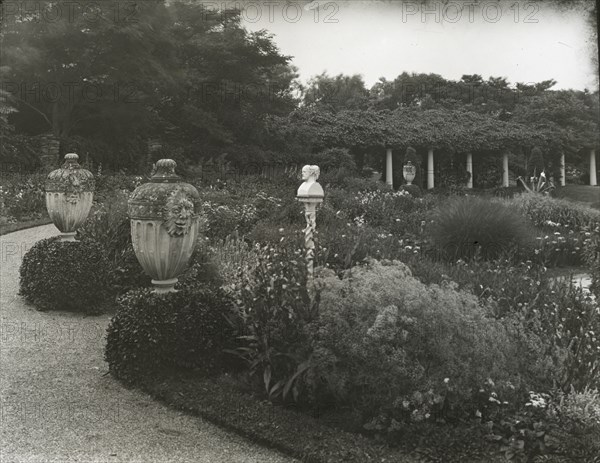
x=523, y=41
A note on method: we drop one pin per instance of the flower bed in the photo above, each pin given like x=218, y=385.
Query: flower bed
x=382, y=349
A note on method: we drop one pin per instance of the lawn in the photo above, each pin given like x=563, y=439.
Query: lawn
x=585, y=194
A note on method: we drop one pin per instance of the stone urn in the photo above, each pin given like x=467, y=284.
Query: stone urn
x=164, y=225
x=69, y=196
x=409, y=171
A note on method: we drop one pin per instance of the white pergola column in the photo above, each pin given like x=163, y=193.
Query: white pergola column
x=470, y=170
x=593, y=179
x=505, y=169
x=430, y=179
x=563, y=173
x=389, y=179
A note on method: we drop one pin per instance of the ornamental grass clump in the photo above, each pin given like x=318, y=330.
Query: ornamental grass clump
x=472, y=227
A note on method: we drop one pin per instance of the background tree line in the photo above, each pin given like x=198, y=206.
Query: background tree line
x=198, y=85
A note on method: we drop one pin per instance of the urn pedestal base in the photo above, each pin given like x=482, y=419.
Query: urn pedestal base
x=165, y=286
x=70, y=236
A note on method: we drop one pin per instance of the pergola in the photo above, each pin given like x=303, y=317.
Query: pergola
x=469, y=168
x=468, y=132
x=430, y=130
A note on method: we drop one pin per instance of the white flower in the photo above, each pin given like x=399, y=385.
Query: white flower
x=446, y=380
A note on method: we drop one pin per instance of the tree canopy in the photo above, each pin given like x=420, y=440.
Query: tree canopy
x=204, y=86
x=173, y=70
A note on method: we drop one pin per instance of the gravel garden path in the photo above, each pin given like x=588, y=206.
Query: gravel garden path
x=57, y=403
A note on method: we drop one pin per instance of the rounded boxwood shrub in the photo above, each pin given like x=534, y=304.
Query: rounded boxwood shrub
x=467, y=227
x=65, y=275
x=153, y=333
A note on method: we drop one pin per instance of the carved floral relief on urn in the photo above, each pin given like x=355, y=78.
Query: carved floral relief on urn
x=69, y=196
x=164, y=225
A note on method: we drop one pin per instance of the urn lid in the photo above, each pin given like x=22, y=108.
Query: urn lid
x=70, y=178
x=165, y=197
x=165, y=172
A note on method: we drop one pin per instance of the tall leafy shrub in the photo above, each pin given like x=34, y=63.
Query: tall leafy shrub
x=274, y=310
x=382, y=336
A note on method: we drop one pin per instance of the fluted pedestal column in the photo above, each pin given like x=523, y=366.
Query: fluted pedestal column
x=470, y=170
x=389, y=179
x=505, y=170
x=430, y=170
x=593, y=179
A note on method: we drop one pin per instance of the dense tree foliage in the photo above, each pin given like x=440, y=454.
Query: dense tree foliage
x=178, y=72
x=195, y=81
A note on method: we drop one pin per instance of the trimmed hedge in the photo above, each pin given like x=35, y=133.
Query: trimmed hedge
x=65, y=275
x=299, y=435
x=152, y=332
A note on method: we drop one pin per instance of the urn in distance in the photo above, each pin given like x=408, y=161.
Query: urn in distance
x=164, y=225
x=69, y=196
x=409, y=171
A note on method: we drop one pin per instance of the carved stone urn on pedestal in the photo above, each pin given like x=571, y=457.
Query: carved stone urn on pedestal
x=164, y=225
x=409, y=171
x=69, y=196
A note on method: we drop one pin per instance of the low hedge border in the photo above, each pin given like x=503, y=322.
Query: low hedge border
x=292, y=433
x=7, y=228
